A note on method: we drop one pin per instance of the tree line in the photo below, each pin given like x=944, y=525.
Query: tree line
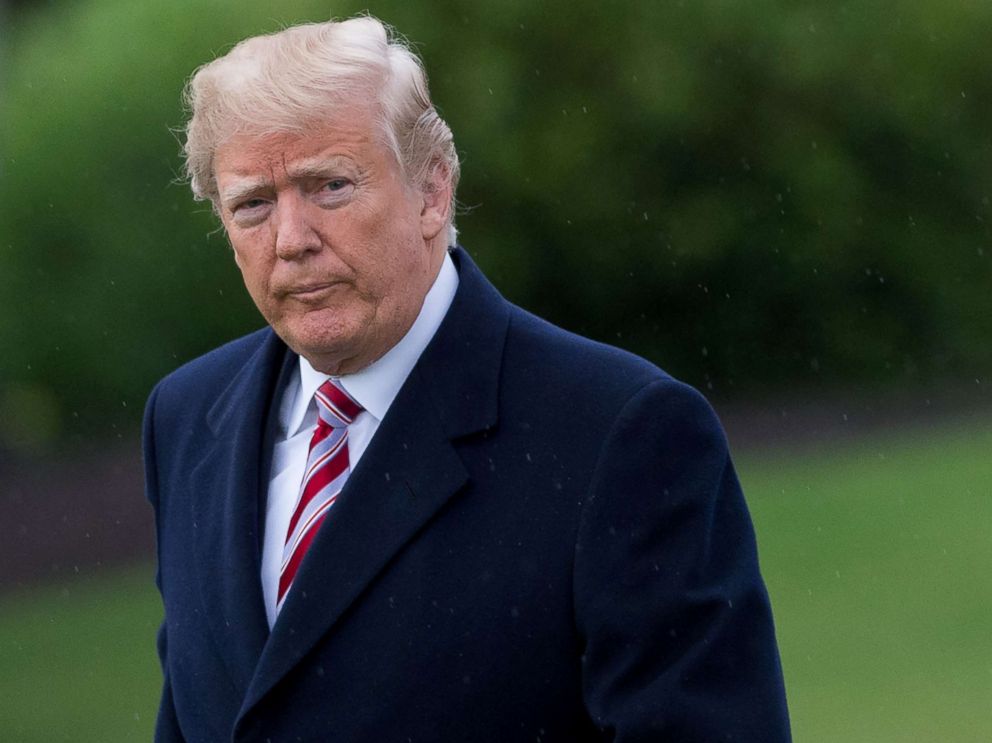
x=754, y=195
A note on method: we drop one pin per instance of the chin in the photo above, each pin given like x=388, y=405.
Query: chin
x=328, y=346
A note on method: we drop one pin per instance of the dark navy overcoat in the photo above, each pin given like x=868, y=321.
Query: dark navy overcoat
x=544, y=541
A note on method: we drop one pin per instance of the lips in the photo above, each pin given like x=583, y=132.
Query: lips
x=310, y=292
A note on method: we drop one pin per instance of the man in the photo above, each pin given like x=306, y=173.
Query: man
x=408, y=510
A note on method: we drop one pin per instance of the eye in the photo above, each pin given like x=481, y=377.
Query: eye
x=249, y=212
x=334, y=192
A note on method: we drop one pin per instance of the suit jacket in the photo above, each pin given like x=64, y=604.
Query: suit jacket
x=544, y=541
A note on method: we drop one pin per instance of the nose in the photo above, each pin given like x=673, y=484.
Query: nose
x=295, y=235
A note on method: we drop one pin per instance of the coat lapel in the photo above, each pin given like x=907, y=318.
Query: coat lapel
x=225, y=511
x=410, y=470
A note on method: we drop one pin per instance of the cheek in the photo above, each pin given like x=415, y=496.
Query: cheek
x=255, y=275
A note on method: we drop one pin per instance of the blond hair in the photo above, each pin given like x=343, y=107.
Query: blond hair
x=291, y=80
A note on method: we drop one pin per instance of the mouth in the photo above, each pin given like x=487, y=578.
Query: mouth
x=311, y=292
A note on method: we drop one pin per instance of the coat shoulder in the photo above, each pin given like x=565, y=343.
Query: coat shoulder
x=196, y=384
x=570, y=367
x=218, y=363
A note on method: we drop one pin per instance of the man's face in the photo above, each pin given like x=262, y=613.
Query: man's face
x=336, y=250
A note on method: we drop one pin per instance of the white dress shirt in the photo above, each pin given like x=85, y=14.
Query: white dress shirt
x=374, y=387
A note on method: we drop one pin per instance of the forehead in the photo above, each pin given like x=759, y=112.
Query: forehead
x=348, y=139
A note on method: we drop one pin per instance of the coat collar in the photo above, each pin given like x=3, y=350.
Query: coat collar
x=410, y=470
x=461, y=365
x=225, y=508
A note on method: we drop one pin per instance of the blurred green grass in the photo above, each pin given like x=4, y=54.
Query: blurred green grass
x=877, y=555
x=77, y=661
x=876, y=552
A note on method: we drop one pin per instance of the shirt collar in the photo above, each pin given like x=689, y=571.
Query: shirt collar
x=376, y=386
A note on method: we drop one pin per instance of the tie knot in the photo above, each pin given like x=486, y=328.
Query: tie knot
x=335, y=407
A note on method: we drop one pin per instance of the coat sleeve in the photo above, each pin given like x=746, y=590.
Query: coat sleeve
x=673, y=614
x=166, y=726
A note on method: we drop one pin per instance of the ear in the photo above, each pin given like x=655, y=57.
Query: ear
x=436, y=194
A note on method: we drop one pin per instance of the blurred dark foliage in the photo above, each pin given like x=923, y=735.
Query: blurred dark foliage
x=752, y=194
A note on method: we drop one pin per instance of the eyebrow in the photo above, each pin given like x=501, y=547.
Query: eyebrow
x=243, y=188
x=319, y=167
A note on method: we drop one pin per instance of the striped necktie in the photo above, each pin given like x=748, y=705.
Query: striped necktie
x=327, y=469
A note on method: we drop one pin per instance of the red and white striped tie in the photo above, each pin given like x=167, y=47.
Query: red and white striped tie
x=327, y=469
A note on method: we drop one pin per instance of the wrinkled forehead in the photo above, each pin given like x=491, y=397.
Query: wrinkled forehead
x=295, y=155
x=349, y=127
x=347, y=147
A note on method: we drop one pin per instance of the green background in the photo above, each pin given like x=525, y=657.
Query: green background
x=752, y=194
